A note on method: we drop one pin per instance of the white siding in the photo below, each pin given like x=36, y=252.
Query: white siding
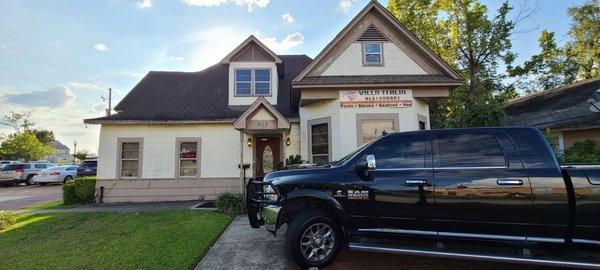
x=344, y=127
x=219, y=154
x=233, y=100
x=395, y=62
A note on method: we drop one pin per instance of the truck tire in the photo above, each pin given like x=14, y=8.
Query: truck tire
x=313, y=239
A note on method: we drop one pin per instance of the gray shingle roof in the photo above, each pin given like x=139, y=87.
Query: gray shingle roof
x=375, y=79
x=197, y=96
x=58, y=145
x=564, y=107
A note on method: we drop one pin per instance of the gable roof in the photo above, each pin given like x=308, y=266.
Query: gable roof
x=261, y=102
x=403, y=31
x=239, y=49
x=196, y=97
x=565, y=107
x=56, y=144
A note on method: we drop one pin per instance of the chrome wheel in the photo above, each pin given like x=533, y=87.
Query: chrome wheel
x=317, y=242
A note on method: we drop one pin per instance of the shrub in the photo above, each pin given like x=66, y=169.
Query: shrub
x=6, y=219
x=231, y=204
x=79, y=191
x=586, y=152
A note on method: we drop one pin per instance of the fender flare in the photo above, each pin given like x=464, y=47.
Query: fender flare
x=331, y=203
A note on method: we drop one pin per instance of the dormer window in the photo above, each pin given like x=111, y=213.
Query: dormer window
x=253, y=82
x=372, y=53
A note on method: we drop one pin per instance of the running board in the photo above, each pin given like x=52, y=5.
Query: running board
x=472, y=256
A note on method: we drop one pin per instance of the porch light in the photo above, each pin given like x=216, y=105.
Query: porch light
x=249, y=142
x=287, y=141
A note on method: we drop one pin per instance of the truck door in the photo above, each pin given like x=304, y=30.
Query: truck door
x=400, y=189
x=481, y=188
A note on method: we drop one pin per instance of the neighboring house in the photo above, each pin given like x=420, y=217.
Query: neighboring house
x=182, y=135
x=565, y=111
x=61, y=155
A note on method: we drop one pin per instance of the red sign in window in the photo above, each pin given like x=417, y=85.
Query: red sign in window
x=188, y=155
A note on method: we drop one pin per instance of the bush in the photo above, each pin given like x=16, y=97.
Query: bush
x=6, y=219
x=231, y=204
x=79, y=191
x=586, y=152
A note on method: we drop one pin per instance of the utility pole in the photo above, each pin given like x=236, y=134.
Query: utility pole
x=109, y=110
x=74, y=151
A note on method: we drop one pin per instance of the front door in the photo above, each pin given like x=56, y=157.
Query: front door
x=267, y=154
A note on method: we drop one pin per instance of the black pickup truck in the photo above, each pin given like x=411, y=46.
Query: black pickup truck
x=438, y=193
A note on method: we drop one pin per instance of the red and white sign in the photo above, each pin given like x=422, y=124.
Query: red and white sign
x=394, y=98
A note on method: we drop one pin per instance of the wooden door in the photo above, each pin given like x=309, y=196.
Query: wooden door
x=267, y=154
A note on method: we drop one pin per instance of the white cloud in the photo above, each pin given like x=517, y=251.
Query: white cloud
x=177, y=58
x=86, y=85
x=60, y=96
x=144, y=4
x=290, y=41
x=346, y=5
x=250, y=4
x=100, y=47
x=213, y=44
x=287, y=18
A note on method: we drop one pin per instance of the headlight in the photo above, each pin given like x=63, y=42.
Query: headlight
x=270, y=193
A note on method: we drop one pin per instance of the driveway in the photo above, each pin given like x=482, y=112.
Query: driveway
x=13, y=198
x=241, y=247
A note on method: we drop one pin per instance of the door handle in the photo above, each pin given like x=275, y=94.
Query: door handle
x=415, y=182
x=509, y=182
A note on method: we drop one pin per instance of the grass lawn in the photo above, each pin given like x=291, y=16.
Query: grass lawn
x=148, y=240
x=50, y=205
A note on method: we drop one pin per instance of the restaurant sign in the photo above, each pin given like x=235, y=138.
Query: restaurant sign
x=391, y=98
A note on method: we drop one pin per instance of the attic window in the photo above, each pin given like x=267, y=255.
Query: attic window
x=253, y=82
x=372, y=53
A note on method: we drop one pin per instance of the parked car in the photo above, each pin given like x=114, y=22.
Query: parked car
x=59, y=174
x=495, y=189
x=6, y=162
x=87, y=167
x=21, y=172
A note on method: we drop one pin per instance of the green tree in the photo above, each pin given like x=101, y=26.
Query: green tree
x=82, y=154
x=584, y=48
x=18, y=121
x=546, y=70
x=45, y=136
x=464, y=35
x=25, y=145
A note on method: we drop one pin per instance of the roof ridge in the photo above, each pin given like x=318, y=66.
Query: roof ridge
x=553, y=90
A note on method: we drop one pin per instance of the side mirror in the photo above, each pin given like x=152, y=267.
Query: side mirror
x=366, y=164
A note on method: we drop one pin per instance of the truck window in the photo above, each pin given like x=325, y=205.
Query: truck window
x=593, y=176
x=469, y=150
x=399, y=152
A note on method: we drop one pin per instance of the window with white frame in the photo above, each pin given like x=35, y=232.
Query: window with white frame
x=130, y=157
x=319, y=138
x=372, y=53
x=252, y=81
x=188, y=157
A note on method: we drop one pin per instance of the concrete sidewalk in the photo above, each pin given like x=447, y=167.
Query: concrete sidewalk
x=241, y=247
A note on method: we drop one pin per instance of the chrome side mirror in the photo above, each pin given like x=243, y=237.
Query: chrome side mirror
x=371, y=163
x=365, y=165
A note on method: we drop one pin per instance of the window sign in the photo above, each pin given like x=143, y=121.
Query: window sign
x=394, y=98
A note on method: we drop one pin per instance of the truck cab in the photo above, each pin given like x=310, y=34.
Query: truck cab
x=493, y=185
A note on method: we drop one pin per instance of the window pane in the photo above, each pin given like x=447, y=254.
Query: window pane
x=243, y=88
x=320, y=128
x=130, y=154
x=188, y=167
x=243, y=75
x=320, y=159
x=320, y=138
x=129, y=168
x=267, y=159
x=130, y=146
x=373, y=58
x=262, y=88
x=188, y=149
x=262, y=75
x=399, y=152
x=469, y=150
x=372, y=129
x=373, y=48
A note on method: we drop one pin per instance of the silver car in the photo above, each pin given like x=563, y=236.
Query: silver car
x=60, y=174
x=22, y=172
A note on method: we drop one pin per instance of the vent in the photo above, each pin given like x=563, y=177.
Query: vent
x=372, y=34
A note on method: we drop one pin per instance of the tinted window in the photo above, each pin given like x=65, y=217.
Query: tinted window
x=89, y=164
x=40, y=166
x=399, y=152
x=26, y=166
x=469, y=150
x=12, y=167
x=593, y=175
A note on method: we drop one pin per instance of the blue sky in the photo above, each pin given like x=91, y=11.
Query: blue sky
x=58, y=57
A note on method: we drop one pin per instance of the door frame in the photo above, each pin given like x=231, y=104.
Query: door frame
x=255, y=153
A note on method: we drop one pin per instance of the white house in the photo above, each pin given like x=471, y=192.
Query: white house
x=61, y=155
x=183, y=135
